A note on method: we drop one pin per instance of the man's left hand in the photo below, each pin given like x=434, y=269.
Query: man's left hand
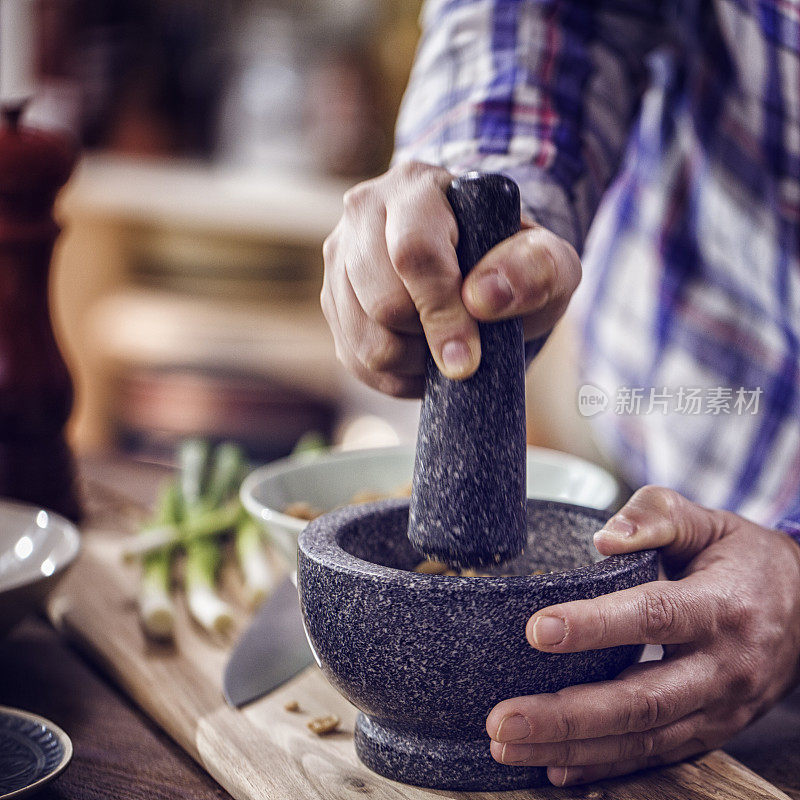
x=729, y=624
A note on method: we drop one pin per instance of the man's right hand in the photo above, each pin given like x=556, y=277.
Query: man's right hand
x=393, y=289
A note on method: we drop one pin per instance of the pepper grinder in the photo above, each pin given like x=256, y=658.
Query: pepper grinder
x=36, y=465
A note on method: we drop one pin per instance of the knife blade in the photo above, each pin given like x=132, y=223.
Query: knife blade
x=272, y=650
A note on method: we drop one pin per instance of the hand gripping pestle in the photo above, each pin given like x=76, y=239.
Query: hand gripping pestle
x=468, y=492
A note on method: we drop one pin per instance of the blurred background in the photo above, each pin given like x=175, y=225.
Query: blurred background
x=218, y=137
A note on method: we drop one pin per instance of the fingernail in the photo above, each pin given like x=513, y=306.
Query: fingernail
x=619, y=527
x=513, y=727
x=548, y=631
x=560, y=776
x=457, y=358
x=516, y=753
x=493, y=292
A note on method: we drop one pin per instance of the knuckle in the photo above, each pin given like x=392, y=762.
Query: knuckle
x=542, y=275
x=741, y=717
x=438, y=321
x=746, y=682
x=389, y=309
x=414, y=256
x=659, y=615
x=415, y=170
x=569, y=754
x=385, y=382
x=648, y=710
x=659, y=498
x=740, y=611
x=379, y=353
x=358, y=196
x=340, y=354
x=646, y=745
x=324, y=304
x=329, y=249
x=395, y=386
x=732, y=612
x=574, y=268
x=407, y=169
x=597, y=620
x=564, y=724
x=548, y=266
x=704, y=743
x=736, y=613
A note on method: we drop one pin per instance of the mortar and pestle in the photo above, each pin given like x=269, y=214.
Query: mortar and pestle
x=426, y=657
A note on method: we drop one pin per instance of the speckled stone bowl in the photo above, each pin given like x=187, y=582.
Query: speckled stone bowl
x=426, y=657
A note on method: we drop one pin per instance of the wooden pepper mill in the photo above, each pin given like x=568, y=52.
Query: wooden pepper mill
x=36, y=465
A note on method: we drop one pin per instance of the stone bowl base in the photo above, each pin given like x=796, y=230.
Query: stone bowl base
x=435, y=763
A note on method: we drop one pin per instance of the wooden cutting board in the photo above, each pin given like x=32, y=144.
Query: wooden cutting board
x=264, y=751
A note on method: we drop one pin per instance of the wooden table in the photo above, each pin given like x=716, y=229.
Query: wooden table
x=119, y=753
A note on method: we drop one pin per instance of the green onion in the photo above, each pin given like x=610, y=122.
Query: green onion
x=227, y=473
x=203, y=553
x=193, y=513
x=206, y=607
x=164, y=538
x=258, y=573
x=156, y=607
x=193, y=462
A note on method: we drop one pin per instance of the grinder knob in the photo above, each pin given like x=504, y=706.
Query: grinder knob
x=468, y=493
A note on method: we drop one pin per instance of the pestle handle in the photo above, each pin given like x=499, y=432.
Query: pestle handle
x=468, y=492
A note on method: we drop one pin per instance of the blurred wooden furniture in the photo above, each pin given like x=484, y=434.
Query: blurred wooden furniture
x=173, y=265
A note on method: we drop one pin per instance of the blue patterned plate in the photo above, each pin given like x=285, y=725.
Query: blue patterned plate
x=32, y=752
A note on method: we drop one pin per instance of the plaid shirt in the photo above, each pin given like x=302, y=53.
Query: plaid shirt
x=673, y=130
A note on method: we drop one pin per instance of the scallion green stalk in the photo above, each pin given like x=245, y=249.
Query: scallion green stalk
x=227, y=471
x=206, y=607
x=156, y=607
x=258, y=573
x=193, y=463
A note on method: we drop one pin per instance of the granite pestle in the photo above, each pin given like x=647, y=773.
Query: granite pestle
x=468, y=491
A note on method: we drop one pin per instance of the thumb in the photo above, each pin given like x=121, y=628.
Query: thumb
x=656, y=517
x=529, y=273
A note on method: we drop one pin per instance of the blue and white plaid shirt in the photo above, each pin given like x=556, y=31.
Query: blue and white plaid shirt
x=672, y=129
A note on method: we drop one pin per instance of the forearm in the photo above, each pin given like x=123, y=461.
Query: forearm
x=544, y=92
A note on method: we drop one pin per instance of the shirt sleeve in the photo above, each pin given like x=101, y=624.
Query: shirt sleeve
x=544, y=91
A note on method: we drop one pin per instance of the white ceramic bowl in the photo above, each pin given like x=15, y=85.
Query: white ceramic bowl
x=330, y=479
x=36, y=546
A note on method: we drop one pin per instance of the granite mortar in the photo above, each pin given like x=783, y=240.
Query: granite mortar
x=426, y=657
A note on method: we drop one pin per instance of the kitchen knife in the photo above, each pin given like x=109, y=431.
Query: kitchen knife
x=271, y=651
